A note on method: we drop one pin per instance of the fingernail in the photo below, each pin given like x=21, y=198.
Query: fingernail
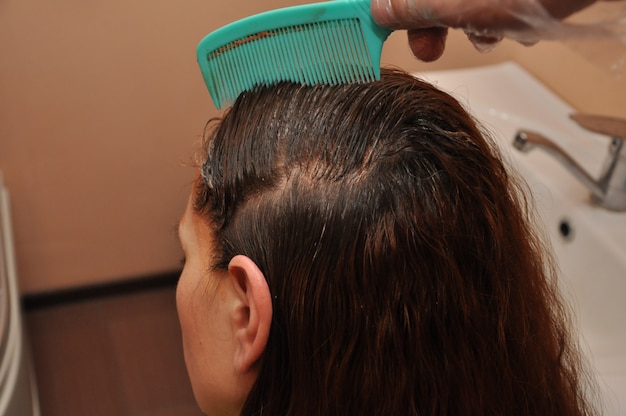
x=382, y=11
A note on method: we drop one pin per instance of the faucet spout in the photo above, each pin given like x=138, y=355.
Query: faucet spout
x=527, y=140
x=608, y=191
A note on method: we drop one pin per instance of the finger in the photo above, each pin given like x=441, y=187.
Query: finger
x=534, y=41
x=483, y=44
x=428, y=44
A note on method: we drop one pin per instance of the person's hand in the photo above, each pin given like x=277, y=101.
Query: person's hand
x=485, y=22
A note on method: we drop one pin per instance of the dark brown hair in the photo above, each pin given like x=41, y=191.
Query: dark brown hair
x=405, y=276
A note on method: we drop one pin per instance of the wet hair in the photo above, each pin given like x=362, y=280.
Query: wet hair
x=405, y=276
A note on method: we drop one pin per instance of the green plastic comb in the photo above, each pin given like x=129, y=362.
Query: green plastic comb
x=334, y=42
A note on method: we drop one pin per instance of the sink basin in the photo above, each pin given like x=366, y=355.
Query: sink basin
x=589, y=242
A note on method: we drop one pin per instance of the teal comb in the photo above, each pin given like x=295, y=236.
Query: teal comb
x=333, y=42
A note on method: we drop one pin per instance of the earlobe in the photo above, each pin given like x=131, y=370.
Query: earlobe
x=252, y=317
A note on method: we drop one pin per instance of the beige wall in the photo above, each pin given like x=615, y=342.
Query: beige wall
x=101, y=104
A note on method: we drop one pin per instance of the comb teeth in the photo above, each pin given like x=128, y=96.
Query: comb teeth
x=326, y=52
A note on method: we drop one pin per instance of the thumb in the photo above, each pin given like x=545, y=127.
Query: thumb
x=428, y=44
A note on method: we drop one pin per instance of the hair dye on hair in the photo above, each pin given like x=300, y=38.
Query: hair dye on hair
x=405, y=274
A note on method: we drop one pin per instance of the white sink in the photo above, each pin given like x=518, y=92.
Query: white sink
x=589, y=242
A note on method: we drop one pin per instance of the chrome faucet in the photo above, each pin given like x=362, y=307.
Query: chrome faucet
x=609, y=190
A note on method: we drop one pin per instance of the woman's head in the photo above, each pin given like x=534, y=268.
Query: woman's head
x=401, y=274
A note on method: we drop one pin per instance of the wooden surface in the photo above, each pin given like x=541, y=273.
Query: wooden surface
x=116, y=354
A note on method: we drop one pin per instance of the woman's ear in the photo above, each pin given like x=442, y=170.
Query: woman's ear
x=252, y=315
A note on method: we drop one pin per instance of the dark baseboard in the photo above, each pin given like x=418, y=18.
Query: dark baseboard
x=80, y=294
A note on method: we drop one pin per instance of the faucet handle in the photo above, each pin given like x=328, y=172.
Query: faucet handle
x=606, y=125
